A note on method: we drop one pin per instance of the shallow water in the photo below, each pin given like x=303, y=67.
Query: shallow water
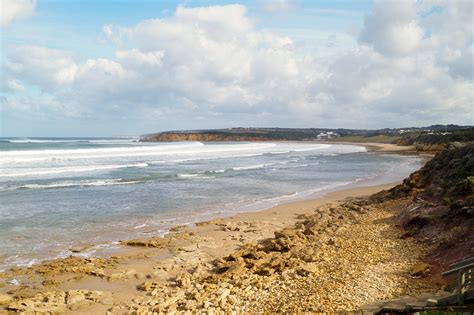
x=63, y=192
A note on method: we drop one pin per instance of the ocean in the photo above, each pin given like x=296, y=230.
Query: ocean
x=62, y=193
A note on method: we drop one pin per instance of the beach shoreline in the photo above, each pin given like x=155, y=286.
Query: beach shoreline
x=376, y=148
x=110, y=248
x=184, y=247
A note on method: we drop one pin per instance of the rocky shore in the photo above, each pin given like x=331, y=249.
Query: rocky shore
x=332, y=257
x=338, y=253
x=335, y=258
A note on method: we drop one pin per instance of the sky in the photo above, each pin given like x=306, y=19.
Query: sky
x=113, y=68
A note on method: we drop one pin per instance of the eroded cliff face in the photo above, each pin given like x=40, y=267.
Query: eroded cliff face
x=441, y=212
x=172, y=136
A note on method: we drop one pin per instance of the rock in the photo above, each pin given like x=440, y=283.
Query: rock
x=154, y=242
x=199, y=271
x=5, y=299
x=73, y=297
x=130, y=273
x=420, y=270
x=229, y=226
x=139, y=275
x=49, y=282
x=116, y=276
x=79, y=304
x=189, y=249
x=149, y=286
x=21, y=306
x=95, y=296
x=306, y=270
x=204, y=223
x=98, y=273
x=107, y=301
x=80, y=249
x=160, y=273
x=286, y=233
x=146, y=286
x=265, y=271
x=183, y=280
x=223, y=296
x=177, y=228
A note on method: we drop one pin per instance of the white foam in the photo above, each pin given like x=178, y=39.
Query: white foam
x=187, y=175
x=194, y=175
x=319, y=147
x=102, y=141
x=251, y=167
x=42, y=141
x=283, y=197
x=140, y=226
x=80, y=183
x=115, y=141
x=300, y=165
x=207, y=177
x=168, y=153
x=55, y=154
x=217, y=171
x=71, y=169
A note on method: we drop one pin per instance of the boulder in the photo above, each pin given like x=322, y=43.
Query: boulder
x=5, y=299
x=73, y=297
x=420, y=270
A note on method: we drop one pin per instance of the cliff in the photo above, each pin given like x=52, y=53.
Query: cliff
x=205, y=136
x=239, y=134
x=441, y=211
x=420, y=138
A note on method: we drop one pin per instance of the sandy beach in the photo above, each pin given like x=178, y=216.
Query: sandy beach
x=335, y=252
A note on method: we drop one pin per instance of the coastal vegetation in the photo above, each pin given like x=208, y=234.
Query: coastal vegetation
x=369, y=138
x=463, y=135
x=425, y=138
x=441, y=212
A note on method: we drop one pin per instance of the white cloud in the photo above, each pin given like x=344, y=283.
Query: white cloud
x=41, y=105
x=392, y=28
x=15, y=9
x=113, y=34
x=135, y=58
x=41, y=66
x=213, y=63
x=274, y=6
x=14, y=85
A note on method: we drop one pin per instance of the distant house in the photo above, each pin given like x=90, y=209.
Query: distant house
x=327, y=135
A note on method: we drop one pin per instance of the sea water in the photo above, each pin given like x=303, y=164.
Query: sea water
x=60, y=193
